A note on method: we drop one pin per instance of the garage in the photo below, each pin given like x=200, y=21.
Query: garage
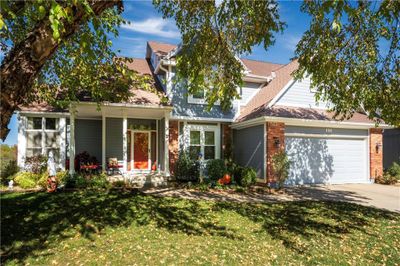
x=327, y=156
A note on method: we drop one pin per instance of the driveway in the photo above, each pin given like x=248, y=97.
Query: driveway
x=379, y=196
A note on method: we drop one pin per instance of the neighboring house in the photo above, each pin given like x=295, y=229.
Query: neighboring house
x=274, y=113
x=391, y=142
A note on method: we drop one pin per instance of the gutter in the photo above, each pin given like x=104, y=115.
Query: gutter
x=307, y=123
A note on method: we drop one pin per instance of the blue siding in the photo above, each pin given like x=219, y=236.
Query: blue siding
x=88, y=137
x=114, y=141
x=249, y=148
x=183, y=108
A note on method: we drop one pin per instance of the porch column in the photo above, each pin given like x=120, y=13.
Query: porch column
x=72, y=141
x=63, y=134
x=103, y=142
x=125, y=142
x=166, y=145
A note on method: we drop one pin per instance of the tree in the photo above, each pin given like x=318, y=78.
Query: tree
x=213, y=36
x=59, y=48
x=351, y=52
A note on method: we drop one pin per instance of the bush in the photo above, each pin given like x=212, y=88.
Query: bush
x=8, y=169
x=280, y=165
x=80, y=181
x=186, y=169
x=62, y=176
x=36, y=164
x=386, y=179
x=26, y=180
x=99, y=181
x=248, y=177
x=394, y=170
x=216, y=169
x=75, y=181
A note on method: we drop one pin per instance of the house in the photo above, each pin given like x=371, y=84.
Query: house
x=391, y=141
x=274, y=113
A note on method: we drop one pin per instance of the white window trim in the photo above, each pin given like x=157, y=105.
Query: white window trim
x=202, y=128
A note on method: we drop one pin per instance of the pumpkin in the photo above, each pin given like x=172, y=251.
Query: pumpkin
x=226, y=179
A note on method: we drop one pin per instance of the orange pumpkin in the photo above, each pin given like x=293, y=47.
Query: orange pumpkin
x=226, y=179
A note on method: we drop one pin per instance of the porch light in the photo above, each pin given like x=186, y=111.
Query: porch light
x=277, y=142
x=378, y=146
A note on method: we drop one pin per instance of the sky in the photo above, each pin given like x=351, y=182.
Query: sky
x=148, y=25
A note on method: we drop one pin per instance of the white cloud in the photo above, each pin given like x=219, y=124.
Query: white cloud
x=289, y=42
x=154, y=26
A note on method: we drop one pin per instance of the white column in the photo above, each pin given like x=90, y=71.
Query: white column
x=72, y=141
x=166, y=145
x=44, y=137
x=21, y=140
x=103, y=142
x=125, y=142
x=157, y=141
x=63, y=132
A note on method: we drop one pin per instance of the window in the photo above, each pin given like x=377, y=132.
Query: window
x=203, y=140
x=42, y=136
x=51, y=123
x=195, y=146
x=34, y=123
x=197, y=98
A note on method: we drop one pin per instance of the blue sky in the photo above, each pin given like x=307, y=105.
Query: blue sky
x=147, y=24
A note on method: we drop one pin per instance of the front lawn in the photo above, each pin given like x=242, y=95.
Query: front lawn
x=114, y=228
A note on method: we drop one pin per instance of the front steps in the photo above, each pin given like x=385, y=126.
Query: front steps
x=141, y=180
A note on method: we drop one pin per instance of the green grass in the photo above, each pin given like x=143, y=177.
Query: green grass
x=99, y=228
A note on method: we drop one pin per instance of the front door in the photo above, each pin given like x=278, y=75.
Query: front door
x=141, y=150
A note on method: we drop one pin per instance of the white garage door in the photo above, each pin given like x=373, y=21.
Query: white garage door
x=316, y=160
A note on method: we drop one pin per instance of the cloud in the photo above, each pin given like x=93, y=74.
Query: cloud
x=154, y=26
x=130, y=46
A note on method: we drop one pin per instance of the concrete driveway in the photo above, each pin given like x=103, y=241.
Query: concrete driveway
x=379, y=196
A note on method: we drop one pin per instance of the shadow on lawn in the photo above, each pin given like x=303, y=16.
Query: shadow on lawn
x=29, y=222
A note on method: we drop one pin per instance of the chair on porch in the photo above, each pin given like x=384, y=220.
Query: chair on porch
x=113, y=166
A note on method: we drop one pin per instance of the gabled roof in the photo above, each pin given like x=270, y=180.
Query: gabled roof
x=261, y=100
x=260, y=68
x=259, y=104
x=161, y=48
x=139, y=96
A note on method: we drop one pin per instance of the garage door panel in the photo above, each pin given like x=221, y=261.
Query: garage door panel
x=324, y=160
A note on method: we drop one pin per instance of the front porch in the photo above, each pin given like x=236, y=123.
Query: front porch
x=141, y=180
x=132, y=139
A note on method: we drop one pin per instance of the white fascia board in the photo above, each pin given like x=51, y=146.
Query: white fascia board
x=129, y=105
x=200, y=119
x=282, y=91
x=257, y=78
x=306, y=123
x=47, y=114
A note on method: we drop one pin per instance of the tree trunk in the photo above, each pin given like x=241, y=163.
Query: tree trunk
x=23, y=63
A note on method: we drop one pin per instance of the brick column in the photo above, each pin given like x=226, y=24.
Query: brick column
x=226, y=142
x=173, y=145
x=375, y=153
x=275, y=133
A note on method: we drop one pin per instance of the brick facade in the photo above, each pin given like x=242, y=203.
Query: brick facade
x=226, y=142
x=173, y=145
x=376, y=153
x=275, y=134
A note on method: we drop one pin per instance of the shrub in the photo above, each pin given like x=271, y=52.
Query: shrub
x=8, y=169
x=75, y=181
x=62, y=176
x=394, y=170
x=119, y=184
x=248, y=177
x=386, y=179
x=99, y=181
x=186, y=169
x=26, y=180
x=42, y=182
x=216, y=169
x=36, y=164
x=280, y=165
